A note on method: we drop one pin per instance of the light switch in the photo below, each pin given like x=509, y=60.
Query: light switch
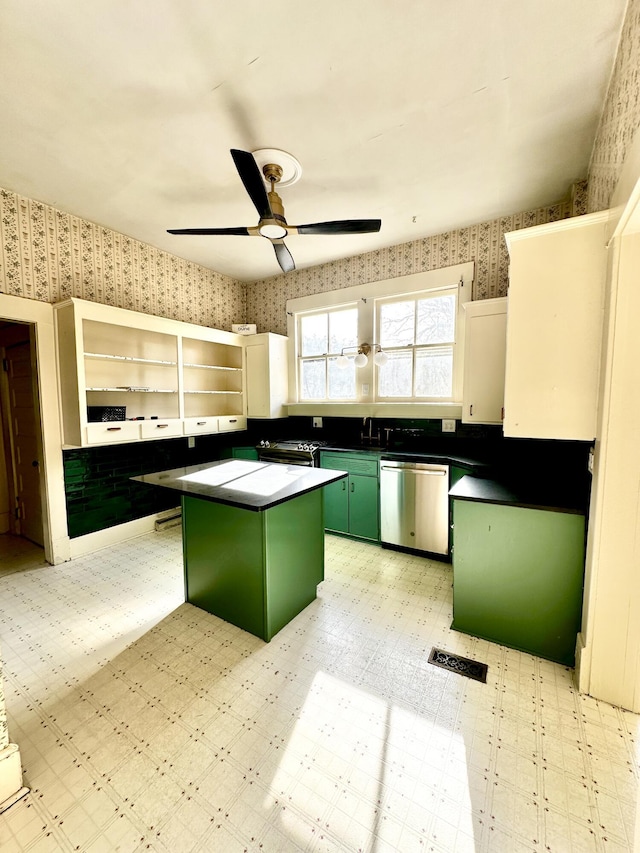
x=448, y=425
x=191, y=441
x=317, y=422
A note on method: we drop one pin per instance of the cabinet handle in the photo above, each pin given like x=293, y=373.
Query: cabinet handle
x=352, y=487
x=161, y=426
x=201, y=423
x=114, y=429
x=344, y=485
x=470, y=410
x=502, y=413
x=233, y=420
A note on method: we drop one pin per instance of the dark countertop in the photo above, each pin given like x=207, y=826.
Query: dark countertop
x=255, y=486
x=531, y=495
x=474, y=465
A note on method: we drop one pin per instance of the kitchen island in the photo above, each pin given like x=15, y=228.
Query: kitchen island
x=253, y=538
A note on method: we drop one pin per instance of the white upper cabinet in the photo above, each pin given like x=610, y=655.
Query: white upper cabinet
x=554, y=328
x=160, y=378
x=484, y=361
x=267, y=376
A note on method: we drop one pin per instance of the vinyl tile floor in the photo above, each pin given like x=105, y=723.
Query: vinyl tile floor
x=145, y=723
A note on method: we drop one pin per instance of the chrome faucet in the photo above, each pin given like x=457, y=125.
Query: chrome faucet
x=368, y=437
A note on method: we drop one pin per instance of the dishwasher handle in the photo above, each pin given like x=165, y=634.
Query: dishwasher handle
x=438, y=472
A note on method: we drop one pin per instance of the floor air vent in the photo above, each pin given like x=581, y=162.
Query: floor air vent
x=455, y=663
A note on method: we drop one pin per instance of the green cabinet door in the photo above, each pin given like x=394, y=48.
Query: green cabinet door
x=363, y=506
x=352, y=505
x=517, y=577
x=336, y=506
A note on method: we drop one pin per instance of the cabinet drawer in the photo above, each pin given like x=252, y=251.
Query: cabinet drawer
x=351, y=462
x=193, y=426
x=232, y=422
x=161, y=428
x=110, y=432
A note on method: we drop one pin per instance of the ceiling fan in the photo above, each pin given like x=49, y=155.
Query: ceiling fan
x=273, y=224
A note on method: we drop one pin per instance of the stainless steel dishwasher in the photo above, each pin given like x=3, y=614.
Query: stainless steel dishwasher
x=414, y=505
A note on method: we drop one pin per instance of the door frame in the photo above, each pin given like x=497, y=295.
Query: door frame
x=54, y=515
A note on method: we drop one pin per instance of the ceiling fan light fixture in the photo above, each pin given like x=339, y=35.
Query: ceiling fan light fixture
x=272, y=230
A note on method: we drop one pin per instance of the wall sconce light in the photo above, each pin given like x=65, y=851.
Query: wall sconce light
x=380, y=357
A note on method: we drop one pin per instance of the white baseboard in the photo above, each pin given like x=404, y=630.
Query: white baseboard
x=11, y=788
x=582, y=671
x=82, y=545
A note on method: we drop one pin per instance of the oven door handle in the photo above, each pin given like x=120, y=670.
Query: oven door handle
x=286, y=460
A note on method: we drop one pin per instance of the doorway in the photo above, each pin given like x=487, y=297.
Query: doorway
x=21, y=508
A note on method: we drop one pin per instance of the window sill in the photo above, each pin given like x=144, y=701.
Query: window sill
x=378, y=410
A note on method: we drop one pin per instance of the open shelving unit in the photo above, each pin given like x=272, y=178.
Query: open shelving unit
x=170, y=378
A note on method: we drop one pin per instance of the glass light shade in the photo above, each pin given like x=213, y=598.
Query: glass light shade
x=342, y=362
x=381, y=358
x=360, y=360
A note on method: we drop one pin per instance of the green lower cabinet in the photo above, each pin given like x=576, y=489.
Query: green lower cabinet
x=363, y=507
x=253, y=569
x=241, y=453
x=518, y=577
x=351, y=506
x=336, y=506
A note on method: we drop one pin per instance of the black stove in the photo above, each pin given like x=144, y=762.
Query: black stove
x=291, y=452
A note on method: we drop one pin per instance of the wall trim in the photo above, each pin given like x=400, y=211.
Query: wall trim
x=90, y=542
x=558, y=226
x=54, y=515
x=11, y=787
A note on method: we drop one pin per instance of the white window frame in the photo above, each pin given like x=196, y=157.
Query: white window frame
x=413, y=348
x=365, y=296
x=325, y=356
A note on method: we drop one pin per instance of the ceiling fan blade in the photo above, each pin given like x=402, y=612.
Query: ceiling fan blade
x=340, y=226
x=239, y=232
x=251, y=177
x=283, y=255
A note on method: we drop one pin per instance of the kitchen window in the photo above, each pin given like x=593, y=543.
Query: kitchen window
x=322, y=336
x=418, y=336
x=417, y=320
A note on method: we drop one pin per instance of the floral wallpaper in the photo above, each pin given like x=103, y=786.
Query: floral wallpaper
x=49, y=255
x=483, y=243
x=620, y=115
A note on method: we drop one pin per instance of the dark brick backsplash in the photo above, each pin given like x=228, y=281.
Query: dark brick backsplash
x=98, y=488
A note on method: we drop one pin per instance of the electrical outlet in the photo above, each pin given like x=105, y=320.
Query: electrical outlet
x=317, y=422
x=448, y=425
x=191, y=441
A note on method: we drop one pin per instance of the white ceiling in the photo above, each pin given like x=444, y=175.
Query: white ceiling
x=430, y=115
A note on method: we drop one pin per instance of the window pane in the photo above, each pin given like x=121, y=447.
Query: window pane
x=313, y=379
x=313, y=334
x=397, y=324
x=395, y=377
x=343, y=330
x=434, y=372
x=342, y=380
x=436, y=320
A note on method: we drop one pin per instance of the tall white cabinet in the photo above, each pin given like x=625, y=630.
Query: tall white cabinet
x=484, y=361
x=267, y=375
x=554, y=329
